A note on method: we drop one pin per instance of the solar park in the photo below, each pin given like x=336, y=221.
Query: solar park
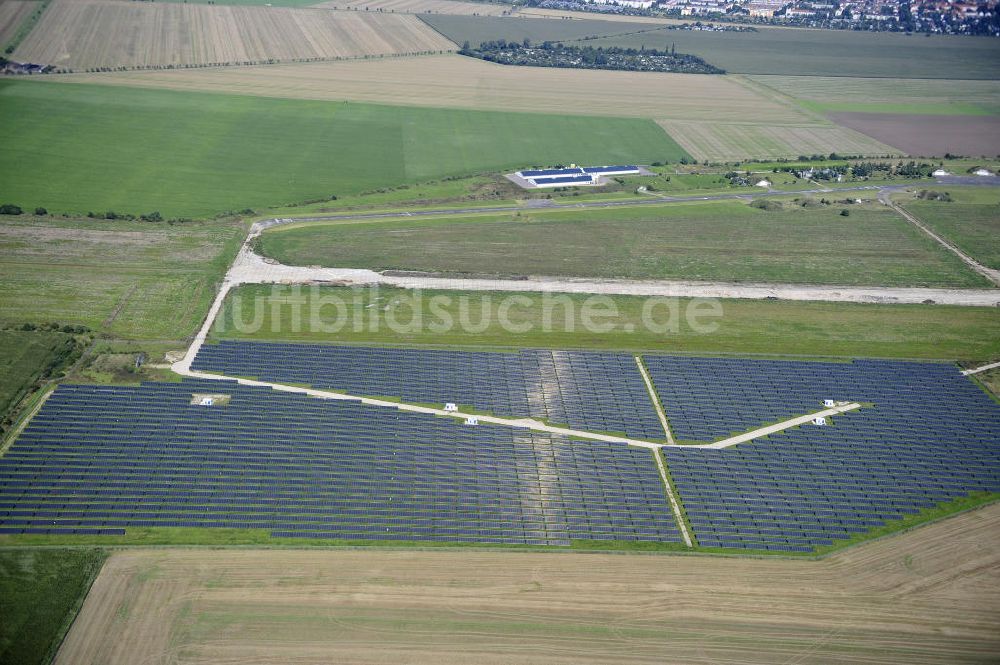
x=102, y=460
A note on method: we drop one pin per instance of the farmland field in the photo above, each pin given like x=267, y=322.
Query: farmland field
x=747, y=326
x=258, y=3
x=720, y=141
x=186, y=154
x=537, y=12
x=476, y=29
x=971, y=222
x=41, y=591
x=421, y=6
x=717, y=241
x=458, y=82
x=928, y=135
x=714, y=117
x=24, y=358
x=879, y=95
x=834, y=53
x=130, y=279
x=465, y=606
x=13, y=13
x=84, y=34
x=780, y=51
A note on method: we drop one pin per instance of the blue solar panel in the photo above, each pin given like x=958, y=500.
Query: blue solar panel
x=562, y=180
x=144, y=456
x=550, y=172
x=930, y=435
x=584, y=390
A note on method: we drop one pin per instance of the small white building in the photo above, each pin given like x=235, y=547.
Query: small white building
x=763, y=183
x=939, y=173
x=983, y=172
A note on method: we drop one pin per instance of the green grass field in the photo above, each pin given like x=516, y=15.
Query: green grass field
x=125, y=279
x=709, y=241
x=81, y=148
x=971, y=221
x=879, y=95
x=794, y=52
x=745, y=327
x=26, y=357
x=41, y=591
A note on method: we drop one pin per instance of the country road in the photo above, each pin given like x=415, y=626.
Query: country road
x=251, y=268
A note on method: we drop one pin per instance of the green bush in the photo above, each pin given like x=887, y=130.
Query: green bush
x=766, y=204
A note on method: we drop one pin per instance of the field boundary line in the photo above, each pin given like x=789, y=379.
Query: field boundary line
x=674, y=503
x=657, y=404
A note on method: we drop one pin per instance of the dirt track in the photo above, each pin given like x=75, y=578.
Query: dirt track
x=932, y=595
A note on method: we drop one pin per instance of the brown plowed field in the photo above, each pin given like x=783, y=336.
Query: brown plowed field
x=930, y=596
x=928, y=135
x=87, y=34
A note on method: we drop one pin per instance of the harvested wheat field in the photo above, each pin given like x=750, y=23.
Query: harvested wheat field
x=421, y=7
x=454, y=81
x=734, y=141
x=930, y=596
x=12, y=14
x=86, y=34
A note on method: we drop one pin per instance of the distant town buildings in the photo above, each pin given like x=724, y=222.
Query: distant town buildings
x=928, y=16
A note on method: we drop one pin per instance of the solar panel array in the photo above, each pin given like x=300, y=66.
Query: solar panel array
x=712, y=398
x=931, y=436
x=100, y=459
x=550, y=172
x=585, y=390
x=560, y=180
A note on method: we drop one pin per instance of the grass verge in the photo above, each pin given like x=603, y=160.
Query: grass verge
x=454, y=319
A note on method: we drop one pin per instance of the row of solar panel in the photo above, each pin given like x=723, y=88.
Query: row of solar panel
x=583, y=492
x=587, y=390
